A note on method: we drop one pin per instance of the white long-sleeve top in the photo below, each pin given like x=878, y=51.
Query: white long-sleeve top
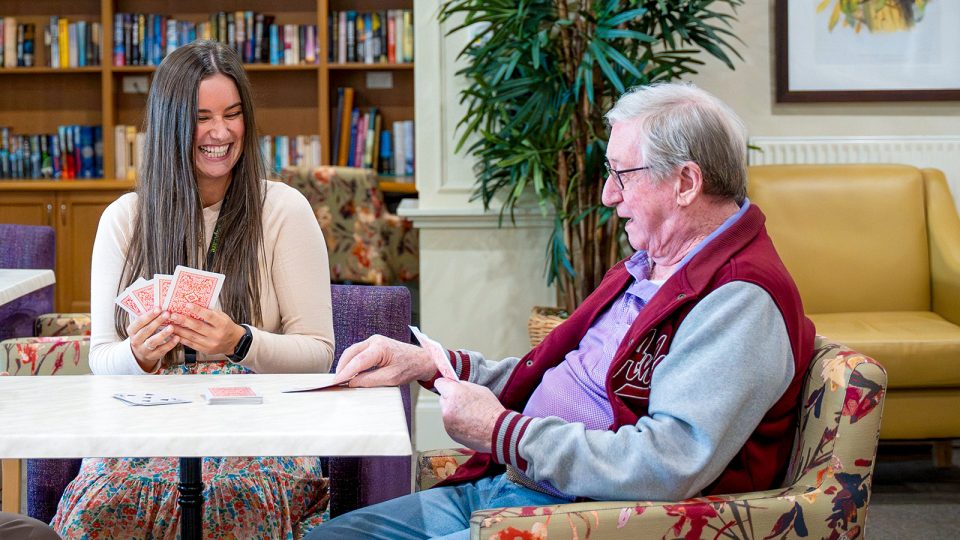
x=296, y=335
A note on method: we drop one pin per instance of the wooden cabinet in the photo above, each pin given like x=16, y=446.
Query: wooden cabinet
x=73, y=209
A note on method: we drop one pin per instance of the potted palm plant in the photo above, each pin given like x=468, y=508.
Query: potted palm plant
x=540, y=75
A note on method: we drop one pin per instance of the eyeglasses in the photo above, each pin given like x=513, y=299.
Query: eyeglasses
x=613, y=172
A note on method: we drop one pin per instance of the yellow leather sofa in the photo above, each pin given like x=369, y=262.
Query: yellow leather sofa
x=875, y=251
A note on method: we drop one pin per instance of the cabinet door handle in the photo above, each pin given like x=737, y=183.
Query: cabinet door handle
x=63, y=215
x=49, y=215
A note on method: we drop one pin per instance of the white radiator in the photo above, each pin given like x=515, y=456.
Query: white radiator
x=941, y=152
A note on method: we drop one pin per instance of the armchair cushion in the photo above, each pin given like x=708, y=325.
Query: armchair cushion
x=826, y=491
x=905, y=340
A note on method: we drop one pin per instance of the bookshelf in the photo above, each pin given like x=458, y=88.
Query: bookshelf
x=291, y=100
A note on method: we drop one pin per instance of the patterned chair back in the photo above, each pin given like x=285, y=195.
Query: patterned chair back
x=348, y=207
x=366, y=243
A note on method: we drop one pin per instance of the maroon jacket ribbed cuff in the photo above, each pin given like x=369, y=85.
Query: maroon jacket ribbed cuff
x=505, y=440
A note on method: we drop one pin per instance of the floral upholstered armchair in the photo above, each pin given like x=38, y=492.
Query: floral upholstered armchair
x=825, y=494
x=367, y=244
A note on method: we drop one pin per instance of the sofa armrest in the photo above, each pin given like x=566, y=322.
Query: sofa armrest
x=943, y=228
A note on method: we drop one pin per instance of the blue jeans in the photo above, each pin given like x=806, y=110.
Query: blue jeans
x=441, y=513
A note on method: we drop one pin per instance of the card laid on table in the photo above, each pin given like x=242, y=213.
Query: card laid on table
x=149, y=399
x=437, y=353
x=192, y=286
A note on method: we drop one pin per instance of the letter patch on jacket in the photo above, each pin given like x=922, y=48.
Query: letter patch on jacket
x=632, y=380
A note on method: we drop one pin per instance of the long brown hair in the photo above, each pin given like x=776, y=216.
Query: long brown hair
x=168, y=228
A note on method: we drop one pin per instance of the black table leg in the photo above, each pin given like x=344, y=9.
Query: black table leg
x=191, y=499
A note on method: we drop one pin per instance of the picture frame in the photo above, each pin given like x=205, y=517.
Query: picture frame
x=824, y=54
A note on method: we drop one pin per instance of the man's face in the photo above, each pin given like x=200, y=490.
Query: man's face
x=648, y=206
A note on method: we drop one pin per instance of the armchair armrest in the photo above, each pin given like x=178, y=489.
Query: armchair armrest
x=435, y=465
x=943, y=228
x=761, y=514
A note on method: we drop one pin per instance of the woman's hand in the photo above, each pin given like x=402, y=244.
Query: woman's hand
x=208, y=331
x=148, y=342
x=395, y=363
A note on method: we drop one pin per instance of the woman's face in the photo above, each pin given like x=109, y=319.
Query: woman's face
x=218, y=138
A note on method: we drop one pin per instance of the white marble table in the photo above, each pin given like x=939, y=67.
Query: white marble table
x=17, y=282
x=75, y=416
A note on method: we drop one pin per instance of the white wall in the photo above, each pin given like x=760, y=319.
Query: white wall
x=479, y=283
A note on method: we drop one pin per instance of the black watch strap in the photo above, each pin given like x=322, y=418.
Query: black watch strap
x=242, y=346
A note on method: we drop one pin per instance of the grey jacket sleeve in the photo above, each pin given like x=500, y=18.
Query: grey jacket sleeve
x=729, y=362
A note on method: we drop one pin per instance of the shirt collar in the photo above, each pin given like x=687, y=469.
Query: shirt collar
x=638, y=265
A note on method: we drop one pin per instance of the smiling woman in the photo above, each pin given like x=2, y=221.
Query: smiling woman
x=202, y=179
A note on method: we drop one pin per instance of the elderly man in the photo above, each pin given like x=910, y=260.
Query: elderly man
x=680, y=375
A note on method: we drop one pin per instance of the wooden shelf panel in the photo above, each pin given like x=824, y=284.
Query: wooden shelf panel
x=370, y=67
x=105, y=184
x=390, y=184
x=247, y=67
x=49, y=70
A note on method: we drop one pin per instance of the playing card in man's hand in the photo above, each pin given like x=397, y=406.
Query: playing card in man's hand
x=192, y=286
x=437, y=353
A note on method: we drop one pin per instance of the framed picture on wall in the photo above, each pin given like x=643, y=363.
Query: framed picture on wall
x=867, y=50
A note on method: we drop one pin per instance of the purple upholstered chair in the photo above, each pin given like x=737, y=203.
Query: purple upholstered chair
x=358, y=313
x=26, y=246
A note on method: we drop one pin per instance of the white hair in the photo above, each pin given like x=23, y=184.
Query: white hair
x=682, y=123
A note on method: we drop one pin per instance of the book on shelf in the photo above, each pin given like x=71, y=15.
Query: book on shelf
x=145, y=39
x=281, y=151
x=372, y=37
x=360, y=138
x=69, y=153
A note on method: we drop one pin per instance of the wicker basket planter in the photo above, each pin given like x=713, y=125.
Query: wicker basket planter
x=542, y=321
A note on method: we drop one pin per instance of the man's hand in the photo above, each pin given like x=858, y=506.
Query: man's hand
x=470, y=412
x=212, y=332
x=381, y=361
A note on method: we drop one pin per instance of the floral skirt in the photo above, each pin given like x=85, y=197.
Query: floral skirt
x=263, y=497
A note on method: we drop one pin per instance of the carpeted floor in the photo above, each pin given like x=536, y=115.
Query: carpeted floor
x=912, y=498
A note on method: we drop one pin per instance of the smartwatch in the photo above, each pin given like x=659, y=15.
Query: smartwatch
x=242, y=346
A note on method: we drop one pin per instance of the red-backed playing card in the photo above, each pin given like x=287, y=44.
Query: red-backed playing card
x=143, y=292
x=128, y=304
x=192, y=286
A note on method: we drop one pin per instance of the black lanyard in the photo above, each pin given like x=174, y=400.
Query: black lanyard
x=189, y=354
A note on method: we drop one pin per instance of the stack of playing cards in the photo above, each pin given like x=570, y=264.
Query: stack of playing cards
x=226, y=395
x=172, y=293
